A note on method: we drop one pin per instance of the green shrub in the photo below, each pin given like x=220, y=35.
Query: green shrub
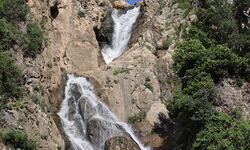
x=25, y=112
x=44, y=137
x=81, y=14
x=19, y=104
x=224, y=132
x=103, y=14
x=35, y=38
x=14, y=10
x=59, y=147
x=239, y=81
x=192, y=58
x=148, y=47
x=147, y=79
x=137, y=118
x=37, y=122
x=99, y=94
x=149, y=86
x=35, y=97
x=10, y=78
x=35, y=87
x=8, y=34
x=18, y=139
x=116, y=81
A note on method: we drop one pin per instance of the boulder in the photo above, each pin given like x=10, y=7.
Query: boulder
x=121, y=143
x=100, y=130
x=120, y=5
x=158, y=114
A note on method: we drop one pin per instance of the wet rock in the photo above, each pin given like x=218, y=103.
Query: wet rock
x=104, y=34
x=100, y=130
x=137, y=28
x=121, y=143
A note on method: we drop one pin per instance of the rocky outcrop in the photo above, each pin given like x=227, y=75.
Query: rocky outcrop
x=124, y=82
x=100, y=130
x=232, y=96
x=104, y=34
x=120, y=5
x=121, y=143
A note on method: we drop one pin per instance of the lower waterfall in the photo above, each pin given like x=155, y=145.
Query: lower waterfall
x=121, y=35
x=79, y=107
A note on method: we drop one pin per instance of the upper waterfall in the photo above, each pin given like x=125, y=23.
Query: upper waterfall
x=121, y=35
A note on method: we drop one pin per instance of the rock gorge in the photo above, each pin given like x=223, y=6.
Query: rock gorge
x=75, y=47
x=137, y=82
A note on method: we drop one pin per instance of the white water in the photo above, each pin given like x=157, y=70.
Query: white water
x=121, y=35
x=75, y=125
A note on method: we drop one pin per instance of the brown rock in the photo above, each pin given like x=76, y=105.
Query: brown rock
x=138, y=4
x=120, y=5
x=158, y=114
x=81, y=56
x=121, y=143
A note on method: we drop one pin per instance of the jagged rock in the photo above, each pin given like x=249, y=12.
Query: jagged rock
x=100, y=130
x=138, y=3
x=121, y=143
x=104, y=34
x=120, y=5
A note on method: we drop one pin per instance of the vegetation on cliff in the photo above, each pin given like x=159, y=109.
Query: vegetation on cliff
x=18, y=31
x=216, y=46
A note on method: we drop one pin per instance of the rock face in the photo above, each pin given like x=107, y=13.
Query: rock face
x=100, y=130
x=81, y=56
x=104, y=34
x=121, y=143
x=120, y=5
x=124, y=79
x=231, y=96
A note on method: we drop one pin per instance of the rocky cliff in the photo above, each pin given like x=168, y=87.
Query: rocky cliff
x=138, y=82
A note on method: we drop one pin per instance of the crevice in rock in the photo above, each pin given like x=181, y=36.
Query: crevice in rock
x=54, y=11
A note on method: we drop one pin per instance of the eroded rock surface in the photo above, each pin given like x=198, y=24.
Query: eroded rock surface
x=121, y=143
x=100, y=130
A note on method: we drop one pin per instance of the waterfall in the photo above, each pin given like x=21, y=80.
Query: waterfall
x=79, y=106
x=121, y=35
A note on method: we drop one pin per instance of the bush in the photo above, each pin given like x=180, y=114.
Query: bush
x=10, y=78
x=13, y=10
x=35, y=97
x=18, y=140
x=81, y=14
x=192, y=58
x=149, y=86
x=8, y=34
x=147, y=79
x=224, y=132
x=44, y=137
x=35, y=38
x=19, y=104
x=137, y=118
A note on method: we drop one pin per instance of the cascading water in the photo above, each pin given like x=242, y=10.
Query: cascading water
x=121, y=35
x=79, y=106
